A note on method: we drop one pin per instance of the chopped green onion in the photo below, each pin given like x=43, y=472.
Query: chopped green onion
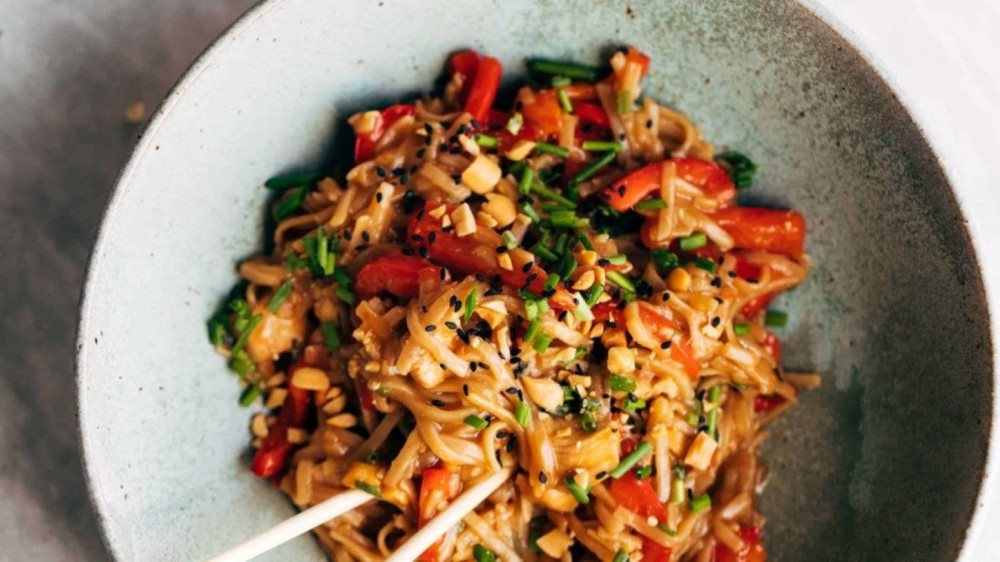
x=633, y=404
x=280, y=295
x=700, y=503
x=245, y=335
x=620, y=259
x=292, y=180
x=617, y=278
x=567, y=69
x=527, y=178
x=476, y=422
x=601, y=146
x=706, y=264
x=542, y=342
x=619, y=383
x=623, y=102
x=509, y=240
x=566, y=218
x=531, y=213
x=560, y=81
x=522, y=414
x=515, y=123
x=289, y=202
x=591, y=169
x=345, y=294
x=368, y=488
x=481, y=554
x=741, y=168
x=644, y=471
x=248, y=395
x=579, y=494
x=567, y=266
x=531, y=309
x=543, y=252
x=217, y=328
x=741, y=329
x=629, y=461
x=594, y=293
x=551, y=282
x=562, y=241
x=564, y=102
x=776, y=319
x=582, y=311
x=470, y=304
x=678, y=491
x=692, y=419
x=532, y=330
x=293, y=262
x=651, y=205
x=670, y=532
x=585, y=240
x=331, y=335
x=712, y=416
x=693, y=242
x=588, y=422
x=553, y=149
x=241, y=364
x=665, y=260
x=620, y=556
x=486, y=141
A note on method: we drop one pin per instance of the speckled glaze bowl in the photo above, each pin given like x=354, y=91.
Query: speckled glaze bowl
x=884, y=462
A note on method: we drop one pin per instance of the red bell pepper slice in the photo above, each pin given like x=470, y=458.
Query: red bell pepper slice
x=661, y=327
x=633, y=188
x=270, y=459
x=364, y=144
x=396, y=274
x=465, y=63
x=592, y=114
x=432, y=480
x=764, y=403
x=484, y=88
x=766, y=230
x=639, y=497
x=543, y=112
x=643, y=60
x=753, y=549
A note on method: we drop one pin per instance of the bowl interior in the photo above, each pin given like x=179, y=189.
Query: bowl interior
x=883, y=462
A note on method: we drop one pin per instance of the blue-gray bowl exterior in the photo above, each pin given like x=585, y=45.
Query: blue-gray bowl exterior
x=882, y=463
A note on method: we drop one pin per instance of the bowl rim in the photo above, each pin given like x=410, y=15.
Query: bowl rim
x=961, y=191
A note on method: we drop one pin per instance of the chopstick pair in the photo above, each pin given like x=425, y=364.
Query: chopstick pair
x=342, y=503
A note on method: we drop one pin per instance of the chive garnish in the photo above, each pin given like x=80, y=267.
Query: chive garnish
x=568, y=69
x=665, y=260
x=585, y=240
x=564, y=102
x=217, y=328
x=289, y=202
x=331, y=335
x=594, y=293
x=509, y=240
x=470, y=304
x=582, y=311
x=279, y=296
x=678, y=491
x=566, y=266
x=522, y=414
x=543, y=252
x=542, y=342
x=476, y=422
x=620, y=556
x=706, y=264
x=482, y=554
x=485, y=141
x=651, y=205
x=345, y=294
x=560, y=81
x=579, y=494
x=292, y=180
x=566, y=218
x=633, y=404
x=551, y=282
x=741, y=168
x=590, y=170
x=629, y=461
x=531, y=213
x=620, y=383
x=294, y=262
x=741, y=329
x=368, y=488
x=617, y=278
x=700, y=503
x=527, y=178
x=588, y=422
x=601, y=146
x=241, y=364
x=531, y=309
x=248, y=395
x=553, y=149
x=532, y=330
x=776, y=319
x=693, y=242
x=245, y=335
x=623, y=102
x=619, y=259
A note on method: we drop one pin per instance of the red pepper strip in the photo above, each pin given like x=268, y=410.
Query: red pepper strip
x=627, y=446
x=580, y=92
x=661, y=326
x=270, y=459
x=542, y=112
x=766, y=230
x=364, y=144
x=465, y=63
x=639, y=497
x=681, y=352
x=633, y=188
x=592, y=114
x=764, y=403
x=753, y=550
x=750, y=271
x=634, y=55
x=484, y=88
x=433, y=480
x=395, y=273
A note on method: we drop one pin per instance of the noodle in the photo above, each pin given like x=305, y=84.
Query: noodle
x=564, y=287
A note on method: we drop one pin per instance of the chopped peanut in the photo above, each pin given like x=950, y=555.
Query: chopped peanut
x=555, y=543
x=501, y=208
x=465, y=223
x=699, y=454
x=521, y=150
x=621, y=360
x=545, y=392
x=482, y=175
x=310, y=378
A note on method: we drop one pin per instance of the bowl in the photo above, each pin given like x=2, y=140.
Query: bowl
x=884, y=462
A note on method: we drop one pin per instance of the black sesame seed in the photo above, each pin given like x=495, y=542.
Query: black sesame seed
x=731, y=274
x=423, y=252
x=378, y=197
x=600, y=475
x=443, y=273
x=465, y=389
x=715, y=321
x=380, y=171
x=666, y=344
x=665, y=297
x=457, y=179
x=649, y=123
x=431, y=237
x=451, y=325
x=511, y=390
x=527, y=267
x=430, y=328
x=421, y=153
x=717, y=282
x=542, y=477
x=365, y=236
x=438, y=403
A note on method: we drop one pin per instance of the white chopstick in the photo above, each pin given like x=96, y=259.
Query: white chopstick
x=442, y=522
x=295, y=526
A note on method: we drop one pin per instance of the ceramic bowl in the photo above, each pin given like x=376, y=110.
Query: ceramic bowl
x=884, y=462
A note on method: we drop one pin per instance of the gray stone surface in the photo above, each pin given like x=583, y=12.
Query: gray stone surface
x=68, y=70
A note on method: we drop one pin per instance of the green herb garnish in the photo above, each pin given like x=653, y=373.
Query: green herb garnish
x=476, y=422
